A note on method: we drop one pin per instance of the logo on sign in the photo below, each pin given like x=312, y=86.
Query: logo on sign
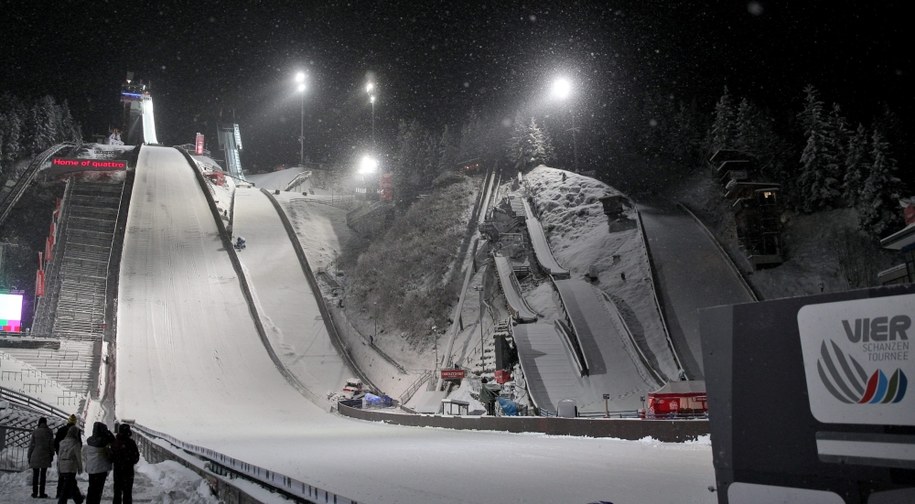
x=857, y=359
x=847, y=381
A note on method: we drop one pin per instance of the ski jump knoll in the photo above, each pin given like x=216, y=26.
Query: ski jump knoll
x=191, y=364
x=690, y=273
x=595, y=356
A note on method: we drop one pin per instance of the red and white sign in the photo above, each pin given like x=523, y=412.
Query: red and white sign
x=198, y=144
x=453, y=374
x=61, y=166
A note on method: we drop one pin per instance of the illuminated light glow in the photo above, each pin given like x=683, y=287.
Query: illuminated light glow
x=369, y=87
x=562, y=88
x=367, y=165
x=300, y=77
x=90, y=163
x=301, y=87
x=372, y=99
x=10, y=312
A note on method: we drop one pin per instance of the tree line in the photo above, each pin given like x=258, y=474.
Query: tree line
x=422, y=155
x=28, y=127
x=831, y=164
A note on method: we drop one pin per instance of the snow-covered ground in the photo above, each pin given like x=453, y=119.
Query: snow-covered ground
x=190, y=364
x=165, y=482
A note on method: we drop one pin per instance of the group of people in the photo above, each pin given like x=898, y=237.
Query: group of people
x=103, y=452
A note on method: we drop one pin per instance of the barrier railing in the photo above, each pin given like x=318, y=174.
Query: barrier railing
x=655, y=286
x=12, y=196
x=272, y=479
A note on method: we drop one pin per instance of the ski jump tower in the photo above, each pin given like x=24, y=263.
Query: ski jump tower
x=139, y=119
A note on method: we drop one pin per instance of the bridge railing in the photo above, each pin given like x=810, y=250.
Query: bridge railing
x=266, y=477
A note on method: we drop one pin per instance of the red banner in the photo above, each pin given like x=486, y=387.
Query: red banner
x=453, y=374
x=39, y=283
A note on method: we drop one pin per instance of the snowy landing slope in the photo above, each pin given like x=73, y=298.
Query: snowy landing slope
x=190, y=364
x=286, y=302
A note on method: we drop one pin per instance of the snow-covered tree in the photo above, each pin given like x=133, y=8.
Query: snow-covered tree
x=42, y=124
x=723, y=132
x=856, y=154
x=817, y=182
x=447, y=152
x=878, y=212
x=686, y=135
x=473, y=138
x=529, y=145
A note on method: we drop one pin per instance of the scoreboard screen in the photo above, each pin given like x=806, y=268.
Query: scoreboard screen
x=10, y=312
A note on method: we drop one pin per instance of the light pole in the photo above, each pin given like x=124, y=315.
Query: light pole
x=479, y=289
x=370, y=89
x=435, y=347
x=561, y=90
x=300, y=87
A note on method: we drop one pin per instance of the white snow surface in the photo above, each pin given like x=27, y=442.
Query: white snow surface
x=191, y=364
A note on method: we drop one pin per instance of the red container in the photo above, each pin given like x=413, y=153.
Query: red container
x=502, y=376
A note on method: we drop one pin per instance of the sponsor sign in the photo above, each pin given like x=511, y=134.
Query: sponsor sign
x=858, y=360
x=198, y=144
x=452, y=374
x=70, y=165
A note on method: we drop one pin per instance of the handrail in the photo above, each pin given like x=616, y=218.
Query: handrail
x=316, y=290
x=43, y=322
x=408, y=393
x=26, y=178
x=654, y=293
x=243, y=281
x=273, y=479
x=570, y=340
x=724, y=253
x=32, y=403
x=654, y=372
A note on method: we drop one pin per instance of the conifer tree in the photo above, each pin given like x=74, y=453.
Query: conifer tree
x=723, y=132
x=529, y=145
x=42, y=124
x=855, y=166
x=813, y=186
x=447, y=152
x=878, y=203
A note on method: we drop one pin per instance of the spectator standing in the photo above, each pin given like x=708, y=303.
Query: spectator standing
x=488, y=394
x=69, y=464
x=97, y=457
x=41, y=454
x=62, y=432
x=124, y=455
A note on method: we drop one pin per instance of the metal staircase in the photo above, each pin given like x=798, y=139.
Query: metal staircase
x=83, y=256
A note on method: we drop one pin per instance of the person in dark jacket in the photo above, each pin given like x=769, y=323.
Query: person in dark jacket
x=60, y=435
x=97, y=457
x=124, y=455
x=62, y=432
x=41, y=453
x=69, y=464
x=488, y=394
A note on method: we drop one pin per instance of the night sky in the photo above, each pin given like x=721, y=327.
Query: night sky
x=434, y=61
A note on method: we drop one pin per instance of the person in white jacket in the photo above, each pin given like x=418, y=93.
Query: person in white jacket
x=97, y=456
x=69, y=464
